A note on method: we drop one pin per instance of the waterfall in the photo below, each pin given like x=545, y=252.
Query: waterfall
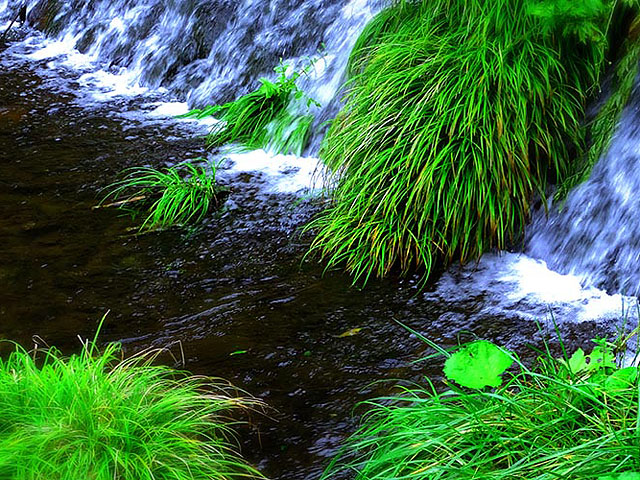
x=170, y=55
x=596, y=234
x=5, y=9
x=8, y=10
x=211, y=51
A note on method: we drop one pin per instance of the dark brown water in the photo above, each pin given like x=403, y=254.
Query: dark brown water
x=235, y=293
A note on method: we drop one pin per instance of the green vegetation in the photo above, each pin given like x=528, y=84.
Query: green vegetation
x=178, y=195
x=574, y=417
x=275, y=117
x=603, y=125
x=456, y=113
x=97, y=416
x=622, y=476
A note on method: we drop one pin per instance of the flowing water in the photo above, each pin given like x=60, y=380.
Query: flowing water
x=235, y=296
x=596, y=233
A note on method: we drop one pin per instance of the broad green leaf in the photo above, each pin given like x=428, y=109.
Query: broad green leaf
x=600, y=358
x=621, y=476
x=577, y=362
x=478, y=365
x=620, y=381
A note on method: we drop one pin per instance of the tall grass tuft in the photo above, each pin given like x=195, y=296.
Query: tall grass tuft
x=275, y=117
x=572, y=418
x=97, y=416
x=178, y=195
x=456, y=113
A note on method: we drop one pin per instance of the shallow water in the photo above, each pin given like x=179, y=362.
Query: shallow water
x=237, y=284
x=236, y=294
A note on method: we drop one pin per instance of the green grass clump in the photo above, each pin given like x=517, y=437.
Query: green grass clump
x=96, y=416
x=177, y=195
x=274, y=117
x=456, y=113
x=571, y=418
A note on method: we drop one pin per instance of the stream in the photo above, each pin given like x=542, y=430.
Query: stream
x=234, y=298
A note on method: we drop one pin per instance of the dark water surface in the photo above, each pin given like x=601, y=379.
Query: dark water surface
x=239, y=284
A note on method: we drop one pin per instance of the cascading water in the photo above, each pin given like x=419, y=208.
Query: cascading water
x=4, y=10
x=210, y=51
x=181, y=54
x=596, y=234
x=234, y=292
x=205, y=52
x=580, y=262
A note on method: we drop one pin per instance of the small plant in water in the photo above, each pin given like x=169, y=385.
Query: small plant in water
x=98, y=416
x=275, y=117
x=175, y=196
x=574, y=417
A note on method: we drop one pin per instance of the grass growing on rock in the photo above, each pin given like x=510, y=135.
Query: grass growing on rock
x=97, y=416
x=275, y=117
x=456, y=113
x=573, y=418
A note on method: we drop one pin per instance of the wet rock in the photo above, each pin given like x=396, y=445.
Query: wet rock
x=44, y=16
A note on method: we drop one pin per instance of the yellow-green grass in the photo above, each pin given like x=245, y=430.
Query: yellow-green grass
x=98, y=416
x=275, y=117
x=177, y=195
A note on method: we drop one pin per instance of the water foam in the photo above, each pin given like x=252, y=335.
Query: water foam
x=510, y=284
x=281, y=173
x=596, y=235
x=124, y=50
x=132, y=51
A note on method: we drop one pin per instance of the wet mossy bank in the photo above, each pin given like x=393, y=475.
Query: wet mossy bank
x=457, y=116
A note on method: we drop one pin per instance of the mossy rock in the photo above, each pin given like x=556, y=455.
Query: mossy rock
x=43, y=16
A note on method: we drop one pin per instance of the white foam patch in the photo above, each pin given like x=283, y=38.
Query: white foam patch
x=169, y=109
x=62, y=50
x=105, y=86
x=515, y=284
x=283, y=173
x=173, y=109
x=117, y=24
x=101, y=85
x=535, y=281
